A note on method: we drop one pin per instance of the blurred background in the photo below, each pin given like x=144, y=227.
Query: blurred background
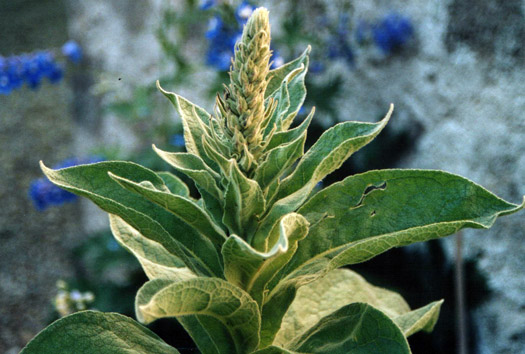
x=77, y=85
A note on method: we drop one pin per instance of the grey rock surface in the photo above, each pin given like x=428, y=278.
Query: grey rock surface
x=34, y=125
x=463, y=83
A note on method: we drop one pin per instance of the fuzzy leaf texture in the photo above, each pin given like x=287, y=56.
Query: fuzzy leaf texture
x=91, y=332
x=251, y=264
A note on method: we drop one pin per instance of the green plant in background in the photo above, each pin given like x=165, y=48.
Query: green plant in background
x=253, y=265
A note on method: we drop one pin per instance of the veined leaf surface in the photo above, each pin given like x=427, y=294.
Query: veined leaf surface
x=214, y=297
x=341, y=287
x=357, y=328
x=325, y=156
x=252, y=270
x=97, y=333
x=150, y=220
x=156, y=261
x=185, y=209
x=367, y=214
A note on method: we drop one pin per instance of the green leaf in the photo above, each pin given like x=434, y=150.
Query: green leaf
x=150, y=220
x=297, y=94
x=209, y=334
x=213, y=297
x=422, y=319
x=193, y=167
x=341, y=287
x=184, y=208
x=276, y=76
x=287, y=136
x=273, y=311
x=278, y=160
x=367, y=214
x=97, y=333
x=355, y=328
x=175, y=184
x=195, y=121
x=275, y=350
x=250, y=269
x=333, y=147
x=156, y=261
x=243, y=203
x=289, y=97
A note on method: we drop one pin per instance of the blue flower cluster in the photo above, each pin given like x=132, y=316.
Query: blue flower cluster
x=177, y=140
x=207, y=4
x=339, y=44
x=389, y=34
x=72, y=51
x=222, y=36
x=44, y=194
x=32, y=68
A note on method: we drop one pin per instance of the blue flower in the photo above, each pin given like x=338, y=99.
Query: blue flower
x=339, y=44
x=223, y=36
x=207, y=4
x=316, y=67
x=44, y=194
x=362, y=31
x=222, y=40
x=392, y=32
x=178, y=140
x=5, y=82
x=15, y=72
x=72, y=51
x=29, y=68
x=243, y=12
x=277, y=60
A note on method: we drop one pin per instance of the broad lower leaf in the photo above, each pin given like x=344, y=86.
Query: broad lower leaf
x=156, y=261
x=422, y=319
x=185, y=209
x=250, y=269
x=275, y=350
x=150, y=220
x=325, y=156
x=214, y=297
x=209, y=334
x=367, y=214
x=273, y=311
x=97, y=333
x=355, y=328
x=341, y=287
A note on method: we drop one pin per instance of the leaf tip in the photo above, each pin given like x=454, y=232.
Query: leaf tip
x=44, y=168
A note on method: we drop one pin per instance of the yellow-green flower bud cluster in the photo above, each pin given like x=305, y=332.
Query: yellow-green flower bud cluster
x=241, y=110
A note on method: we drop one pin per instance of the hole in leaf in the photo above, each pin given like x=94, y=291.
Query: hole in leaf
x=373, y=213
x=369, y=189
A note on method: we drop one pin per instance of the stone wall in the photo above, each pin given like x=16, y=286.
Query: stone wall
x=34, y=125
x=463, y=84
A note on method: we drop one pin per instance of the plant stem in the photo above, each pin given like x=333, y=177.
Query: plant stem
x=461, y=319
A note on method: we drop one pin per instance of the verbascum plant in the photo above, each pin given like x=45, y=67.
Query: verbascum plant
x=253, y=264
